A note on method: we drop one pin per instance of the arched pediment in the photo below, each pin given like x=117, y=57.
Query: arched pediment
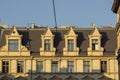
x=20, y=78
x=87, y=78
x=55, y=78
x=5, y=78
x=71, y=78
x=40, y=78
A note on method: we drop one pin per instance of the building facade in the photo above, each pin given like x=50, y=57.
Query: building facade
x=67, y=53
x=116, y=9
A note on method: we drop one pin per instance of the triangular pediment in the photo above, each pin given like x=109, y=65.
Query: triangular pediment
x=71, y=32
x=95, y=31
x=48, y=32
x=14, y=31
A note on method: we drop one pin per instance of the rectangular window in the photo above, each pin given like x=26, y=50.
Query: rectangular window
x=54, y=66
x=39, y=66
x=5, y=67
x=103, y=66
x=70, y=45
x=70, y=66
x=95, y=44
x=86, y=66
x=13, y=45
x=20, y=66
x=47, y=45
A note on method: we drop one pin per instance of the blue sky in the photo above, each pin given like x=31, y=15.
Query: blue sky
x=80, y=13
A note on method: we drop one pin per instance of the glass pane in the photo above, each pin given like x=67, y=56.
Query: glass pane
x=13, y=45
x=39, y=66
x=103, y=66
x=5, y=66
x=55, y=66
x=86, y=66
x=20, y=66
x=70, y=45
x=95, y=44
x=70, y=66
x=47, y=44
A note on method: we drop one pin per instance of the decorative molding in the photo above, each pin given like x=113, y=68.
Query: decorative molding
x=71, y=35
x=95, y=35
x=48, y=35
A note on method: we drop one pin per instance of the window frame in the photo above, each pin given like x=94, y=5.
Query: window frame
x=70, y=44
x=54, y=66
x=70, y=66
x=47, y=45
x=86, y=65
x=39, y=67
x=20, y=67
x=103, y=66
x=13, y=44
x=95, y=44
x=5, y=68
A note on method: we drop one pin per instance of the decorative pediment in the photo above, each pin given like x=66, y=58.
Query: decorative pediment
x=40, y=78
x=87, y=78
x=95, y=48
x=5, y=78
x=70, y=48
x=20, y=78
x=71, y=78
x=95, y=31
x=55, y=78
x=48, y=32
x=14, y=32
x=14, y=45
x=71, y=32
x=47, y=48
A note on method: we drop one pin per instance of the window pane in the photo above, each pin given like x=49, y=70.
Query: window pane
x=70, y=45
x=5, y=67
x=54, y=66
x=13, y=45
x=86, y=66
x=103, y=66
x=47, y=44
x=70, y=66
x=20, y=66
x=95, y=44
x=39, y=66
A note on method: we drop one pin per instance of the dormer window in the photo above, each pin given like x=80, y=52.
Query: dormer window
x=70, y=48
x=95, y=44
x=95, y=48
x=47, y=44
x=70, y=45
x=13, y=45
x=47, y=48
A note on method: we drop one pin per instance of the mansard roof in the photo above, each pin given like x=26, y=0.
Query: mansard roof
x=32, y=39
